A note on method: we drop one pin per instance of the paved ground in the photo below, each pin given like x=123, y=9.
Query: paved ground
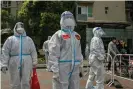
x=45, y=79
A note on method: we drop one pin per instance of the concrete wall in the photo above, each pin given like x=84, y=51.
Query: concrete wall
x=116, y=11
x=15, y=8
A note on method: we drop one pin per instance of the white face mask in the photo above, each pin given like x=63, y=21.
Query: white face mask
x=69, y=23
x=20, y=30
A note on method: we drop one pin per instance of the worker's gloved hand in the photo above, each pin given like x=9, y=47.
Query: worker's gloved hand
x=101, y=57
x=55, y=75
x=4, y=69
x=34, y=64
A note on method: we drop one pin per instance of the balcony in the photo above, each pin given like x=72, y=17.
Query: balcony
x=81, y=17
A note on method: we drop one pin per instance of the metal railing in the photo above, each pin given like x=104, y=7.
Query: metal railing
x=113, y=63
x=109, y=57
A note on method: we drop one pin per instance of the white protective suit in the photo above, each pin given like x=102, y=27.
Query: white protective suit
x=96, y=58
x=86, y=51
x=45, y=50
x=65, y=54
x=19, y=56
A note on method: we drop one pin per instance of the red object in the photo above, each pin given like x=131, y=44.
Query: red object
x=66, y=36
x=34, y=80
x=78, y=37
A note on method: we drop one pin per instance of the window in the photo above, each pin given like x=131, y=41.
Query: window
x=106, y=10
x=9, y=3
x=89, y=11
x=6, y=3
x=85, y=10
x=82, y=10
x=79, y=10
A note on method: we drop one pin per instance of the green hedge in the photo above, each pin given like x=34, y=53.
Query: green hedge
x=41, y=60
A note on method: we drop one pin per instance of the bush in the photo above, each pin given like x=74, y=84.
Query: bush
x=41, y=60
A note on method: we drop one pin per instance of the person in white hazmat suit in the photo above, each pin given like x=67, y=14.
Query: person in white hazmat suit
x=65, y=56
x=46, y=52
x=96, y=58
x=19, y=56
x=86, y=51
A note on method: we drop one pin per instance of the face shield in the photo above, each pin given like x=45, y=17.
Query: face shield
x=101, y=32
x=67, y=21
x=97, y=31
x=19, y=28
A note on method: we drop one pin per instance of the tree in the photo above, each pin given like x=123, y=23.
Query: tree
x=42, y=18
x=4, y=18
x=7, y=20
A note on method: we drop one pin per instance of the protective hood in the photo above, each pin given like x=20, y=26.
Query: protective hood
x=19, y=26
x=67, y=21
x=98, y=32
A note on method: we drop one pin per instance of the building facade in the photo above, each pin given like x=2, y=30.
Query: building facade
x=110, y=15
x=11, y=6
